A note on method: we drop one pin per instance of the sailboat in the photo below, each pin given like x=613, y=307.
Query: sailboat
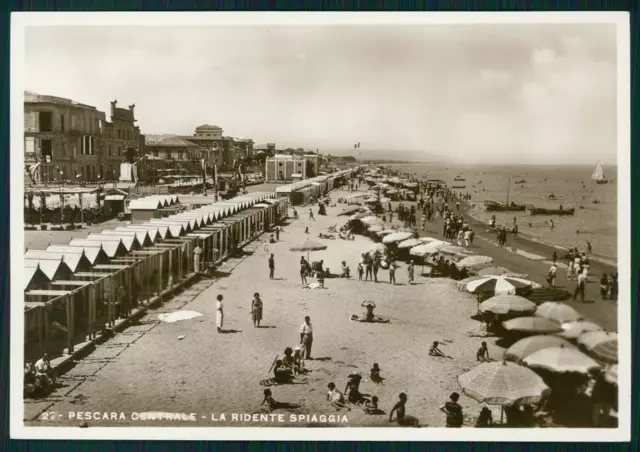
x=598, y=175
x=508, y=206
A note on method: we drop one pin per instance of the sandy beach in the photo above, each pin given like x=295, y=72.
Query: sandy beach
x=154, y=371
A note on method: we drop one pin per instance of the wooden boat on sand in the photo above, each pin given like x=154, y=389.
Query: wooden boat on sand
x=493, y=206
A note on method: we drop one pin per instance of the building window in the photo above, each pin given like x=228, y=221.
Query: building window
x=92, y=148
x=62, y=122
x=119, y=134
x=46, y=148
x=45, y=120
x=119, y=150
x=29, y=145
x=109, y=150
x=73, y=122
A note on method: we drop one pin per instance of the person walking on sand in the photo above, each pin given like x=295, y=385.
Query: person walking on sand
x=219, y=314
x=272, y=266
x=410, y=271
x=303, y=270
x=467, y=238
x=311, y=217
x=551, y=277
x=392, y=273
x=580, y=286
x=256, y=310
x=306, y=337
x=277, y=233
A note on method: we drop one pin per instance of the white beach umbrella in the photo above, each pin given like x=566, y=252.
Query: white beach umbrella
x=431, y=239
x=559, y=312
x=499, y=285
x=561, y=359
x=474, y=261
x=371, y=220
x=573, y=330
x=409, y=243
x=386, y=232
x=397, y=237
x=425, y=249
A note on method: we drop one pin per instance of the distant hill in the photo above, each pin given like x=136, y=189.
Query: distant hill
x=398, y=156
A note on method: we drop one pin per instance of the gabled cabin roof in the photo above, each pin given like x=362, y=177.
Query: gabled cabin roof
x=142, y=237
x=33, y=273
x=130, y=242
x=175, y=229
x=185, y=224
x=145, y=204
x=159, y=231
x=91, y=253
x=111, y=247
x=52, y=268
x=73, y=260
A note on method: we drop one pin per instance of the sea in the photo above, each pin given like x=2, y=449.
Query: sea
x=570, y=184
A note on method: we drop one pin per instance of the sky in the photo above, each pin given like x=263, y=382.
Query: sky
x=541, y=93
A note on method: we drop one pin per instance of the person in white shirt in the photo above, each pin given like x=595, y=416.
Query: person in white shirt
x=582, y=281
x=467, y=238
x=551, y=277
x=44, y=370
x=306, y=337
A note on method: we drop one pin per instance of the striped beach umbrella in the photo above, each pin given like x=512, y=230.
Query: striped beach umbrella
x=560, y=312
x=601, y=344
x=573, y=330
x=532, y=325
x=499, y=271
x=506, y=304
x=425, y=249
x=503, y=383
x=499, y=285
x=561, y=359
x=525, y=347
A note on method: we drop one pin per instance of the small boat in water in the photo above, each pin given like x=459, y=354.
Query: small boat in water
x=532, y=210
x=598, y=175
x=493, y=206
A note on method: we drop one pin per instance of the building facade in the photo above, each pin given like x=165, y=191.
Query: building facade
x=225, y=152
x=122, y=141
x=62, y=139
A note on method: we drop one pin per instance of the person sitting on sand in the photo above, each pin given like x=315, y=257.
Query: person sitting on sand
x=335, y=397
x=289, y=361
x=352, y=389
x=485, y=419
x=435, y=351
x=483, y=353
x=346, y=272
x=400, y=409
x=282, y=373
x=375, y=374
x=372, y=407
x=298, y=360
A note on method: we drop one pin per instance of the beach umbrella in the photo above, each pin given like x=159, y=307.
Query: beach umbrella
x=560, y=312
x=309, y=246
x=387, y=232
x=409, y=243
x=431, y=239
x=371, y=220
x=425, y=249
x=375, y=228
x=474, y=261
x=572, y=330
x=454, y=250
x=525, y=347
x=377, y=247
x=397, y=237
x=349, y=210
x=611, y=374
x=503, y=383
x=561, y=359
x=532, y=325
x=601, y=344
x=499, y=271
x=507, y=304
x=462, y=284
x=499, y=285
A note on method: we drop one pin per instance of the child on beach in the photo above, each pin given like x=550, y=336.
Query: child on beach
x=335, y=397
x=375, y=374
x=273, y=404
x=372, y=407
x=483, y=353
x=410, y=271
x=360, y=271
x=435, y=351
x=453, y=410
x=400, y=408
x=485, y=419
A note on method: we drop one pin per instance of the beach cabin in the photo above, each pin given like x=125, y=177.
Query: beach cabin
x=114, y=202
x=34, y=278
x=142, y=237
x=130, y=242
x=95, y=255
x=145, y=209
x=75, y=261
x=112, y=248
x=54, y=269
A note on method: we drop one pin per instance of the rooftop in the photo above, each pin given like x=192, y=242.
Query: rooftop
x=171, y=141
x=207, y=127
x=31, y=97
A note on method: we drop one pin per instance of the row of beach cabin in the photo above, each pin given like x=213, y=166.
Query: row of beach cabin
x=72, y=292
x=302, y=192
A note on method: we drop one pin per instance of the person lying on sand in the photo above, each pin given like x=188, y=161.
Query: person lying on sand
x=335, y=397
x=375, y=374
x=435, y=351
x=273, y=404
x=368, y=317
x=483, y=352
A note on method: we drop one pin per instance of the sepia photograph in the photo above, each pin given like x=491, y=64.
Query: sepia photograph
x=317, y=225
